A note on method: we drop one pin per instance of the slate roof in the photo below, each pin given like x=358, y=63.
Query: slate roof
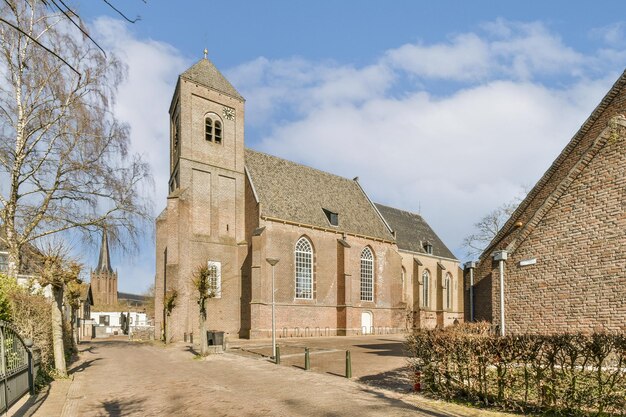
x=297, y=193
x=205, y=73
x=412, y=231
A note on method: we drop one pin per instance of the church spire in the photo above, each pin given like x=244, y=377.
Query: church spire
x=104, y=261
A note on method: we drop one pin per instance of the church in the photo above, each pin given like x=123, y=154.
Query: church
x=339, y=263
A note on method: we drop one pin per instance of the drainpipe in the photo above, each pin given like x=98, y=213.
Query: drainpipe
x=471, y=266
x=501, y=256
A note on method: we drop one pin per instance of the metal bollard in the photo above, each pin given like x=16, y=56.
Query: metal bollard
x=307, y=359
x=277, y=358
x=348, y=365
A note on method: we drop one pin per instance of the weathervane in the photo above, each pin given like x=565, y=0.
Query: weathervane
x=206, y=53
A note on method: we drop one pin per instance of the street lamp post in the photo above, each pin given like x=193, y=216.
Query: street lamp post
x=501, y=256
x=273, y=262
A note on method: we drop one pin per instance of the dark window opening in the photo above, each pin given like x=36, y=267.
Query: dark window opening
x=333, y=218
x=176, y=133
x=104, y=320
x=428, y=247
x=218, y=132
x=208, y=129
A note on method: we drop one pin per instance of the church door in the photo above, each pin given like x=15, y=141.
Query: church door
x=367, y=323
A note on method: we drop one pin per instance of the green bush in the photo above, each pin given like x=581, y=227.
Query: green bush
x=562, y=374
x=30, y=313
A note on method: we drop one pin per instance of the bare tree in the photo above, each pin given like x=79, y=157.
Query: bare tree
x=59, y=273
x=487, y=228
x=205, y=290
x=65, y=163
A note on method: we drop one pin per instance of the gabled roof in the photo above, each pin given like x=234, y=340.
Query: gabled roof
x=205, y=73
x=553, y=184
x=297, y=193
x=412, y=232
x=85, y=293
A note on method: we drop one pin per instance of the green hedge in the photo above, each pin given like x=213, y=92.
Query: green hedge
x=562, y=374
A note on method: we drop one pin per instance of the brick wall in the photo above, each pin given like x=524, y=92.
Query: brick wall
x=428, y=316
x=574, y=225
x=336, y=298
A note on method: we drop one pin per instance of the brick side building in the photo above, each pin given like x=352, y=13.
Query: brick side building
x=566, y=242
x=340, y=268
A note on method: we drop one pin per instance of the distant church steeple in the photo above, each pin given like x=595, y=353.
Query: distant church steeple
x=103, y=278
x=104, y=261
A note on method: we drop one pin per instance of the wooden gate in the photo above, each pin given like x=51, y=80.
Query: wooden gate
x=18, y=367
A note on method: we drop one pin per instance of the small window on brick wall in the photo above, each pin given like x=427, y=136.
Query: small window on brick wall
x=208, y=129
x=215, y=278
x=212, y=129
x=218, y=132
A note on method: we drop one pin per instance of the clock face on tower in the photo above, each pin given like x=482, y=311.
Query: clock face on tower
x=228, y=113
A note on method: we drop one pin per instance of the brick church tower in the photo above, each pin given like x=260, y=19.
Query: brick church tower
x=203, y=223
x=103, y=278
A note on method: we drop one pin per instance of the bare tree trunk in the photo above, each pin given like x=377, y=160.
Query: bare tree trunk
x=203, y=341
x=57, y=331
x=73, y=326
x=14, y=261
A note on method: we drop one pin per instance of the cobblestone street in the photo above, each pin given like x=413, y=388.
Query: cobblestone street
x=118, y=378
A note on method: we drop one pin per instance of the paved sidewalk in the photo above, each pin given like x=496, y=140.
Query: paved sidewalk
x=118, y=378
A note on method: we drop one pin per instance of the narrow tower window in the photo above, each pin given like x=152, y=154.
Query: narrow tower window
x=218, y=132
x=208, y=129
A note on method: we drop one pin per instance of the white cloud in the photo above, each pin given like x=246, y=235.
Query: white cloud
x=612, y=34
x=467, y=57
x=506, y=49
x=302, y=86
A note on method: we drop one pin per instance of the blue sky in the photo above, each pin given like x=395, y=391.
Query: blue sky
x=449, y=108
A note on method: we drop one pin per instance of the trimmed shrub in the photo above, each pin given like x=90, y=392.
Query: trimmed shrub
x=562, y=374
